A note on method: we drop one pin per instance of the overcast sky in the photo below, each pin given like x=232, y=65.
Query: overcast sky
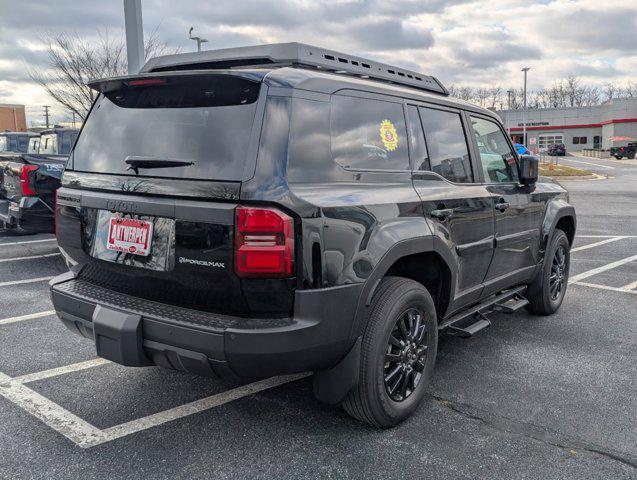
x=477, y=43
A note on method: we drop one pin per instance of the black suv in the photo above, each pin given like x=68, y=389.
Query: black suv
x=279, y=209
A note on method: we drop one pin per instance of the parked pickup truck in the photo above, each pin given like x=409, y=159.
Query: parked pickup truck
x=627, y=151
x=27, y=191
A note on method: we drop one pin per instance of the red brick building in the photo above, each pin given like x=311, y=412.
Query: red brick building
x=13, y=118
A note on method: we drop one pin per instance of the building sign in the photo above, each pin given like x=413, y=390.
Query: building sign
x=533, y=124
x=532, y=140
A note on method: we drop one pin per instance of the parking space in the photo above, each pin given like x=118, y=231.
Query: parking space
x=530, y=397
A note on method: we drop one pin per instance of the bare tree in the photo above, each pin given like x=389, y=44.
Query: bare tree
x=495, y=96
x=75, y=60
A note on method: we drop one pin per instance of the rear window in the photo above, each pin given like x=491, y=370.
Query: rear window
x=14, y=143
x=205, y=120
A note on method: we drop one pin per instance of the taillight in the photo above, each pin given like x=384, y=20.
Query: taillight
x=25, y=179
x=264, y=243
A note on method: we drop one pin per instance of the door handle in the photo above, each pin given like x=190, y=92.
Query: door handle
x=501, y=206
x=442, y=213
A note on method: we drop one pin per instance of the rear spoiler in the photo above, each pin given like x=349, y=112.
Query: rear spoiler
x=104, y=85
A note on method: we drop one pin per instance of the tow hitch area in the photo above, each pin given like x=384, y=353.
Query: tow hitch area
x=118, y=337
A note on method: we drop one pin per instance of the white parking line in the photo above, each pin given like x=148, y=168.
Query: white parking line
x=32, y=257
x=50, y=413
x=197, y=406
x=86, y=435
x=589, y=163
x=596, y=244
x=55, y=372
x=605, y=236
x=606, y=287
x=31, y=316
x=30, y=280
x=595, y=271
x=630, y=286
x=28, y=241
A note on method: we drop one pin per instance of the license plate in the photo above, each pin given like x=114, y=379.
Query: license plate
x=130, y=236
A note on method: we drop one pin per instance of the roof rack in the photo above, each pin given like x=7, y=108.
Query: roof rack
x=294, y=54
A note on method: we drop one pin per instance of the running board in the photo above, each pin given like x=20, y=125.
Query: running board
x=469, y=322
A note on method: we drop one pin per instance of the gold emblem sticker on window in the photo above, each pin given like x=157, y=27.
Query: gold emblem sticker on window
x=388, y=135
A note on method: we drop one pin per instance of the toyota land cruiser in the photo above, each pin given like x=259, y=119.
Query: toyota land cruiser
x=284, y=208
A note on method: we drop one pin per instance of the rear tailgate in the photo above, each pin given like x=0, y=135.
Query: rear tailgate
x=187, y=260
x=31, y=176
x=165, y=231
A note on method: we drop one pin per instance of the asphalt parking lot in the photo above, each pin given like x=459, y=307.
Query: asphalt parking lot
x=530, y=397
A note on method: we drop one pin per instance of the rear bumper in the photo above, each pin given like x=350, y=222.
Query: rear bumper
x=30, y=214
x=136, y=332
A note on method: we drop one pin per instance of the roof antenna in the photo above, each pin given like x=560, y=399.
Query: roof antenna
x=199, y=40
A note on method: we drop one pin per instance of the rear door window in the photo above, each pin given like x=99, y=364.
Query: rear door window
x=447, y=144
x=417, y=145
x=368, y=134
x=205, y=120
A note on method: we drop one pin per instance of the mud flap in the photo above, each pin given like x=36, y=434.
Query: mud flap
x=333, y=385
x=118, y=337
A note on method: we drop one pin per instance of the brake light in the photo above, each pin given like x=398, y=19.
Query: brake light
x=25, y=179
x=145, y=82
x=264, y=243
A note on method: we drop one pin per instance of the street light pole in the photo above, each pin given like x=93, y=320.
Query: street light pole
x=134, y=34
x=525, y=70
x=199, y=40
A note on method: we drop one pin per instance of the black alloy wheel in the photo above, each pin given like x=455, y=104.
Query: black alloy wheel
x=405, y=356
x=558, y=273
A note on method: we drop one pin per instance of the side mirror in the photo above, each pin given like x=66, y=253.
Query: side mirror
x=529, y=166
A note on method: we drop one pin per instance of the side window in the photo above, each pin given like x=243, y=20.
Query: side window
x=65, y=143
x=497, y=158
x=48, y=143
x=368, y=134
x=417, y=145
x=23, y=143
x=447, y=144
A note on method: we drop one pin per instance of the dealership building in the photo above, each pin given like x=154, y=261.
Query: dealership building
x=603, y=126
x=12, y=118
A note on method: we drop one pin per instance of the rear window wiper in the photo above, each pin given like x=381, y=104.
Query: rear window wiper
x=135, y=163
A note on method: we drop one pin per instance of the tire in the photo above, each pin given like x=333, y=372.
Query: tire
x=543, y=295
x=396, y=300
x=631, y=155
x=618, y=157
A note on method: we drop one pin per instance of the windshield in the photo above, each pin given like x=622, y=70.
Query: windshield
x=203, y=119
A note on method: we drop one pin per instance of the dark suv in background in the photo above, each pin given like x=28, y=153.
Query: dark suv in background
x=17, y=142
x=284, y=208
x=557, y=150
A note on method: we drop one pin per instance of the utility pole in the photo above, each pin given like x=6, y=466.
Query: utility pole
x=525, y=70
x=134, y=34
x=199, y=40
x=46, y=114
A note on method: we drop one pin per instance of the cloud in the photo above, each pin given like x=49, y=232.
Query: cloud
x=465, y=42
